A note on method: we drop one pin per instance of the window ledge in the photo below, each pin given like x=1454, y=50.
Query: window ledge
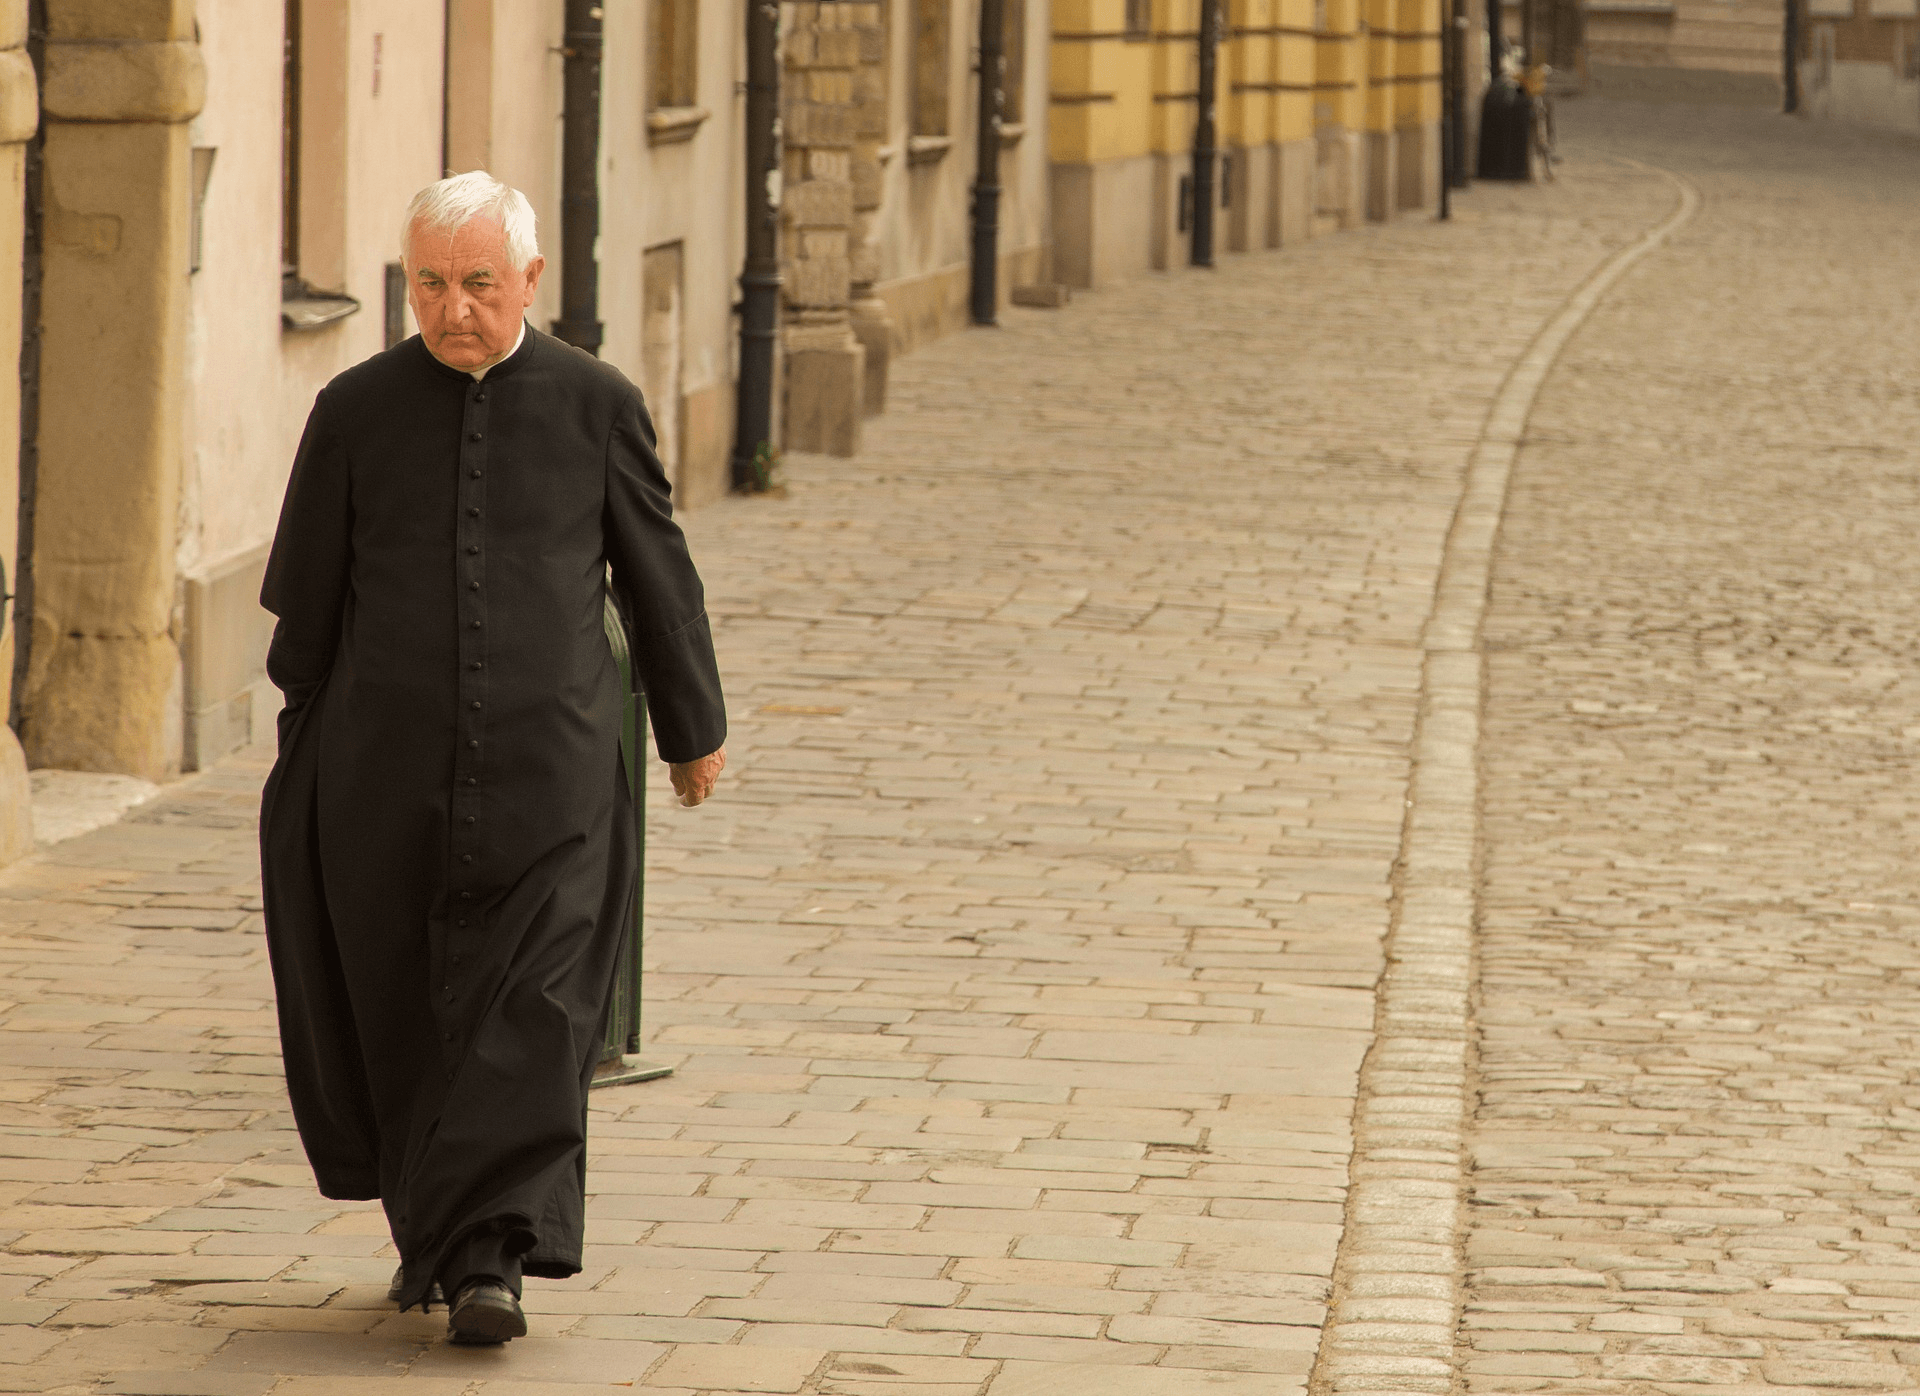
x=307, y=309
x=672, y=125
x=886, y=153
x=1011, y=132
x=928, y=150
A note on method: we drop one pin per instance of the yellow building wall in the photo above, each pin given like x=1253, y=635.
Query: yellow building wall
x=1295, y=73
x=1419, y=63
x=1101, y=85
x=1339, y=82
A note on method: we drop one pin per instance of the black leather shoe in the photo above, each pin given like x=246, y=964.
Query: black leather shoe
x=485, y=1311
x=394, y=1290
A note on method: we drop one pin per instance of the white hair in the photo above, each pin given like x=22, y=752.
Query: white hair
x=449, y=204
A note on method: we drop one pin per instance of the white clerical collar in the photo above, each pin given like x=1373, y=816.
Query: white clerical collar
x=480, y=373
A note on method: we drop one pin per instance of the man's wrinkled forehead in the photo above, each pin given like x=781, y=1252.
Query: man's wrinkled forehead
x=476, y=247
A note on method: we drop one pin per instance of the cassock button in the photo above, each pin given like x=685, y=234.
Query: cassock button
x=470, y=781
x=466, y=857
x=446, y=1037
x=473, y=586
x=476, y=706
x=466, y=896
x=471, y=743
x=473, y=436
x=469, y=819
x=480, y=397
x=476, y=625
x=475, y=474
x=473, y=548
x=449, y=989
x=474, y=665
x=456, y=958
x=473, y=513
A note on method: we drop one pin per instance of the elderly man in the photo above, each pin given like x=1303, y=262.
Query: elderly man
x=447, y=837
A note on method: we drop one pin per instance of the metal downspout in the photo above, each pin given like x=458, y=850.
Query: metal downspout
x=1204, y=150
x=32, y=244
x=760, y=277
x=986, y=182
x=579, y=322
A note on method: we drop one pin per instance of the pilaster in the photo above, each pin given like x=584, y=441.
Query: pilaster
x=122, y=81
x=825, y=360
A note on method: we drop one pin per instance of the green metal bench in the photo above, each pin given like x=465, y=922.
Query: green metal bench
x=620, y=1063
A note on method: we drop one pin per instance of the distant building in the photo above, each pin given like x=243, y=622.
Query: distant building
x=1329, y=114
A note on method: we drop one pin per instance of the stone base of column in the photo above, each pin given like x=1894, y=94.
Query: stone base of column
x=1339, y=180
x=16, y=801
x=1383, y=182
x=873, y=327
x=1104, y=216
x=108, y=703
x=1253, y=198
x=826, y=369
x=1418, y=164
x=1293, y=175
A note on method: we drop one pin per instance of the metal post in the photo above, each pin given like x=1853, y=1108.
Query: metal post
x=1203, y=135
x=760, y=277
x=986, y=182
x=1449, y=112
x=31, y=263
x=1790, y=57
x=579, y=322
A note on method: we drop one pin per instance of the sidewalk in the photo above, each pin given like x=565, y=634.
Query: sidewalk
x=1018, y=979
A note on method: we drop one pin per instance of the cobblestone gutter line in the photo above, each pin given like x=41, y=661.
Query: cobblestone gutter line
x=1397, y=1281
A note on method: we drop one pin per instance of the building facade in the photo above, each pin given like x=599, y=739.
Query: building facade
x=1860, y=61
x=217, y=234
x=1328, y=113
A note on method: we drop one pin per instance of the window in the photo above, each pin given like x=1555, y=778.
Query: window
x=290, y=146
x=313, y=153
x=673, y=37
x=930, y=49
x=1139, y=19
x=1013, y=70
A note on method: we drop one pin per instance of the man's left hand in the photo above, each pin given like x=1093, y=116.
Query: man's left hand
x=693, y=781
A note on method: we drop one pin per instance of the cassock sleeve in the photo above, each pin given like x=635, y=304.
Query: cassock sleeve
x=660, y=596
x=307, y=571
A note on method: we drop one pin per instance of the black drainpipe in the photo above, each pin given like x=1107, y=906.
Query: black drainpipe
x=986, y=181
x=1790, y=57
x=30, y=273
x=579, y=322
x=1204, y=155
x=760, y=277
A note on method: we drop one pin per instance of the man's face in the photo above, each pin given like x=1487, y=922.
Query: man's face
x=465, y=293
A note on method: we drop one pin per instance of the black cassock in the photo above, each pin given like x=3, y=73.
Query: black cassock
x=447, y=838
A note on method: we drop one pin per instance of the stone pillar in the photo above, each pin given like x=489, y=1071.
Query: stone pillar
x=825, y=361
x=19, y=118
x=122, y=81
x=867, y=313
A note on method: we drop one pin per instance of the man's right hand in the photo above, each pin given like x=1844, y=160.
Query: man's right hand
x=693, y=781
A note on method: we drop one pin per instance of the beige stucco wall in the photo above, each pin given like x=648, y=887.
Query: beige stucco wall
x=687, y=192
x=251, y=382
x=923, y=226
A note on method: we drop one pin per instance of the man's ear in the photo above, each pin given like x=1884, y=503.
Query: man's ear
x=534, y=268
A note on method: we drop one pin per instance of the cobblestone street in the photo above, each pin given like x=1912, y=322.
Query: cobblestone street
x=1697, y=1159
x=1018, y=981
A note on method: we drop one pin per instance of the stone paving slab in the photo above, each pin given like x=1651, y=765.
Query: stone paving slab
x=1695, y=1137
x=1017, y=983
